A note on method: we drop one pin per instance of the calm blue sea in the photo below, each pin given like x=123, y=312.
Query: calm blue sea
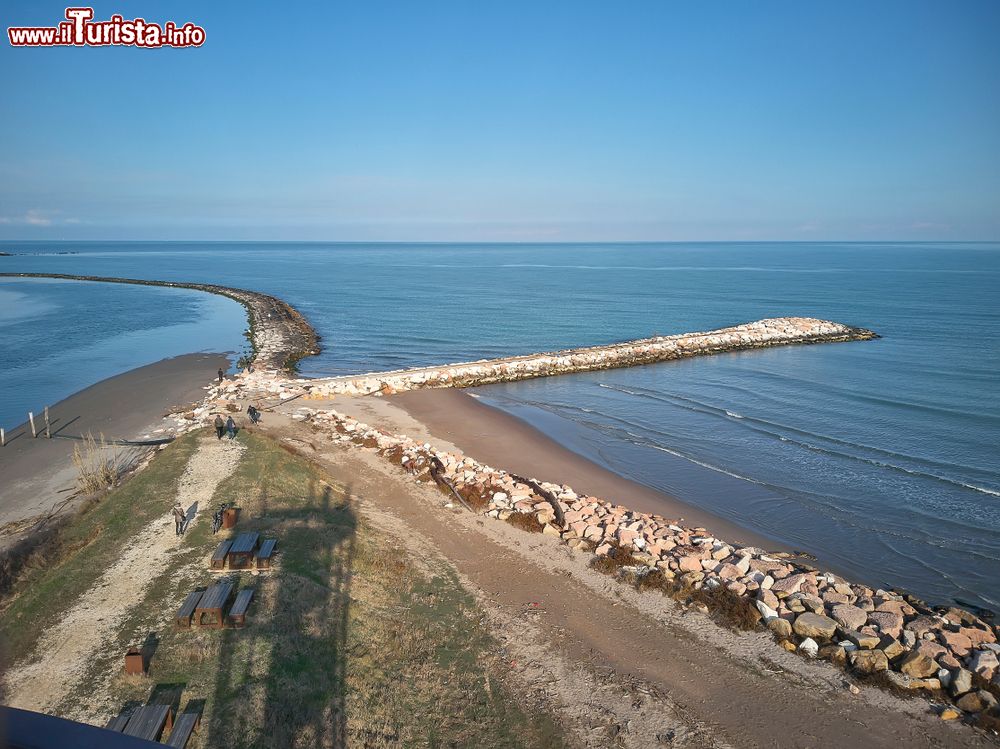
x=877, y=456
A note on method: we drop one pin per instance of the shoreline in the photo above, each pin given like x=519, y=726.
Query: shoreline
x=39, y=473
x=500, y=439
x=279, y=334
x=629, y=527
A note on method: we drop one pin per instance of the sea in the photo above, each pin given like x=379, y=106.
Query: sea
x=881, y=458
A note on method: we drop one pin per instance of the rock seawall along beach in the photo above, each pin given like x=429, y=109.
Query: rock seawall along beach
x=760, y=334
x=947, y=652
x=279, y=334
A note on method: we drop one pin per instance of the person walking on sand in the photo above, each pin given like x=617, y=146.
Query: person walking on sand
x=221, y=375
x=220, y=426
x=179, y=518
x=231, y=428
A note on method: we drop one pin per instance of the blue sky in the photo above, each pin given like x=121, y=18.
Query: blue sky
x=509, y=121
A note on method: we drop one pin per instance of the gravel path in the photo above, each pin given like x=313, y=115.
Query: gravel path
x=65, y=650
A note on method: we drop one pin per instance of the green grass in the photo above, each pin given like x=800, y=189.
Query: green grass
x=89, y=545
x=349, y=641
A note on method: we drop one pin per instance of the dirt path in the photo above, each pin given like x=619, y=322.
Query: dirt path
x=65, y=650
x=624, y=668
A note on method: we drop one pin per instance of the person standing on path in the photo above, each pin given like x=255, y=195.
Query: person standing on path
x=220, y=426
x=231, y=428
x=221, y=375
x=179, y=518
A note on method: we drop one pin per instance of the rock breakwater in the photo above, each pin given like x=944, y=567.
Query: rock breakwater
x=761, y=334
x=279, y=334
x=947, y=652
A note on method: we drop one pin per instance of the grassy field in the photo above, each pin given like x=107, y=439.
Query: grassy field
x=349, y=641
x=88, y=545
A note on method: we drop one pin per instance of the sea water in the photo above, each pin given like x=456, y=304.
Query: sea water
x=879, y=457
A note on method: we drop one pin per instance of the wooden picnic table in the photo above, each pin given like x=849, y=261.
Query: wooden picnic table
x=212, y=602
x=266, y=553
x=242, y=551
x=149, y=722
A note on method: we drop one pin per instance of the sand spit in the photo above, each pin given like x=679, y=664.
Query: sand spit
x=279, y=334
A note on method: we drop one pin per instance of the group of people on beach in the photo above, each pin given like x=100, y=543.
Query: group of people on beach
x=228, y=427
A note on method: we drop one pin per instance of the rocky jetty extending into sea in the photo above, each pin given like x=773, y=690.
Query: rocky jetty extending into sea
x=780, y=331
x=279, y=334
x=947, y=652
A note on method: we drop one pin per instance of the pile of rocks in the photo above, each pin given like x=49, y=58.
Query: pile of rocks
x=871, y=631
x=760, y=334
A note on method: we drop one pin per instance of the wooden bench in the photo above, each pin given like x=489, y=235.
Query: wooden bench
x=119, y=722
x=238, y=613
x=149, y=722
x=211, y=604
x=219, y=557
x=242, y=550
x=266, y=553
x=186, y=611
x=185, y=724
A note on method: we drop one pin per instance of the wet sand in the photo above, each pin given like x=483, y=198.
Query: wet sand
x=38, y=474
x=504, y=441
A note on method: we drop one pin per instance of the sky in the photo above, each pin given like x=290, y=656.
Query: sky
x=375, y=120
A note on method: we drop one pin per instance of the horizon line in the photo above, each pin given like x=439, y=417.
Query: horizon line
x=519, y=241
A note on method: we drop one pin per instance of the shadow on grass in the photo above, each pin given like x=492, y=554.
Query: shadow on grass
x=281, y=679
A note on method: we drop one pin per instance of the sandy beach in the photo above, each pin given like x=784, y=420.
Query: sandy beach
x=38, y=474
x=502, y=440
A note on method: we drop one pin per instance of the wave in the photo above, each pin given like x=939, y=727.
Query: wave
x=703, y=464
x=767, y=427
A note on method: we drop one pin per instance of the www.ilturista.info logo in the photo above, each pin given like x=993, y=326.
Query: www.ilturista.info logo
x=80, y=30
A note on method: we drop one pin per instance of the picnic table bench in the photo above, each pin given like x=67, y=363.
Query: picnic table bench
x=266, y=553
x=242, y=550
x=219, y=557
x=183, y=726
x=119, y=722
x=149, y=722
x=238, y=613
x=186, y=611
x=211, y=603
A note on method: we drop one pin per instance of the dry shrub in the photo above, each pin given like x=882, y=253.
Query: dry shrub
x=728, y=608
x=99, y=464
x=476, y=499
x=232, y=408
x=394, y=455
x=526, y=521
x=43, y=548
x=988, y=721
x=616, y=558
x=656, y=580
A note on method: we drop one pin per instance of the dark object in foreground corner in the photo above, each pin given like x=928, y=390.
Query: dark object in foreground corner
x=24, y=729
